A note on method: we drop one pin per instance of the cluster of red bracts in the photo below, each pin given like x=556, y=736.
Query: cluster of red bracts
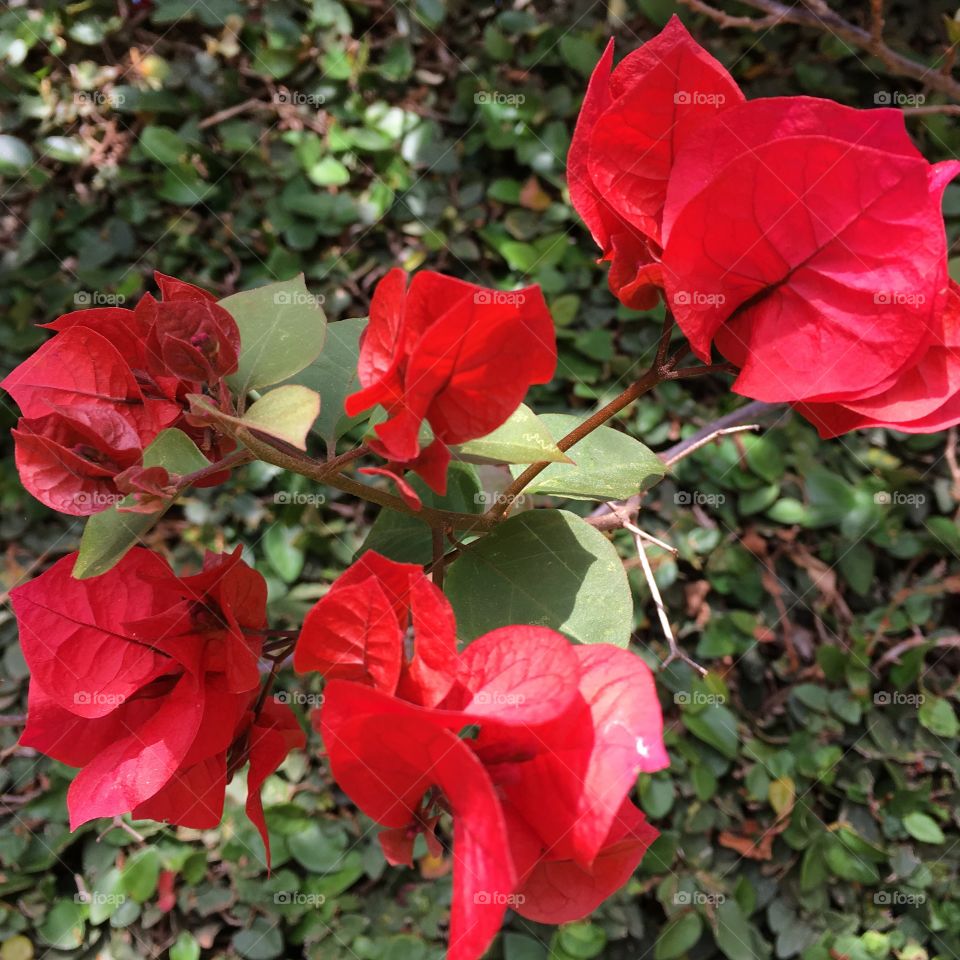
x=151, y=684
x=529, y=744
x=801, y=239
x=524, y=744
x=96, y=394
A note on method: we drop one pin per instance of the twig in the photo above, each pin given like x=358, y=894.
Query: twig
x=821, y=17
x=675, y=652
x=710, y=438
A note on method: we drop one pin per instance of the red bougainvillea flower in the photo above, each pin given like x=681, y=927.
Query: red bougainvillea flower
x=96, y=394
x=805, y=241
x=522, y=708
x=358, y=631
x=456, y=355
x=147, y=681
x=800, y=239
x=633, y=123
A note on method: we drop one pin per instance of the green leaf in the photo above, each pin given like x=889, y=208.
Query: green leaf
x=107, y=536
x=185, y=947
x=162, y=144
x=732, y=933
x=140, y=874
x=516, y=946
x=318, y=848
x=282, y=329
x=680, y=933
x=545, y=567
x=716, y=726
x=63, y=927
x=287, y=412
x=937, y=715
x=923, y=827
x=402, y=537
x=15, y=155
x=524, y=438
x=334, y=376
x=108, y=895
x=262, y=941
x=607, y=464
x=279, y=544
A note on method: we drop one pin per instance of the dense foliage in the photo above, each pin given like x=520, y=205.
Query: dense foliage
x=809, y=805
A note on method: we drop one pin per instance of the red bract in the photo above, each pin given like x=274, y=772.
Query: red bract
x=805, y=240
x=457, y=355
x=800, y=239
x=99, y=391
x=147, y=681
x=633, y=123
x=532, y=751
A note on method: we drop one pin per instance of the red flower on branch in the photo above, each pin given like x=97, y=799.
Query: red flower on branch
x=800, y=239
x=96, y=394
x=147, y=682
x=456, y=355
x=520, y=708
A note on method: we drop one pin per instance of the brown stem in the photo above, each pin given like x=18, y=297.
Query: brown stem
x=322, y=472
x=437, y=566
x=236, y=459
x=821, y=17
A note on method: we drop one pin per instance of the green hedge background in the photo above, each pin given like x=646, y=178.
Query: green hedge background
x=812, y=807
